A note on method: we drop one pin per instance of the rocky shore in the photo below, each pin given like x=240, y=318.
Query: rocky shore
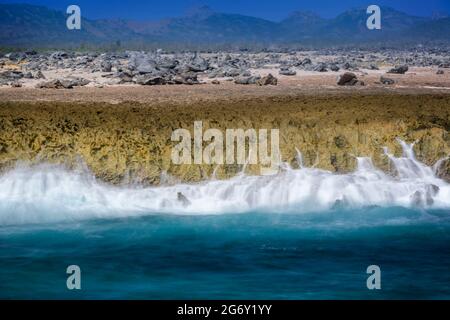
x=66, y=70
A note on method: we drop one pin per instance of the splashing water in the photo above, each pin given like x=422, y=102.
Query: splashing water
x=49, y=193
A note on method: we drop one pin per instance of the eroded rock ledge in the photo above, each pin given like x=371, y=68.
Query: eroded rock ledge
x=131, y=142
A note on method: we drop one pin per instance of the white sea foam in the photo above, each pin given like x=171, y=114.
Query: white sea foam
x=48, y=193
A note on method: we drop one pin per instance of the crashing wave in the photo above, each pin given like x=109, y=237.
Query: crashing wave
x=49, y=193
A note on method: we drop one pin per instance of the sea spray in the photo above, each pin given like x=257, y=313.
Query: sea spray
x=50, y=193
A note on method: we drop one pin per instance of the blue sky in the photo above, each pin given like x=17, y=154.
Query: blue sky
x=268, y=9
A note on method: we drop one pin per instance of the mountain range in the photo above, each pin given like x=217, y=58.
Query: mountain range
x=24, y=25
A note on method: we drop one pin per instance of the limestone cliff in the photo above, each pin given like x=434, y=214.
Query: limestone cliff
x=131, y=142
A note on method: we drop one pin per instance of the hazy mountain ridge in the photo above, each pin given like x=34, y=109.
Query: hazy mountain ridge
x=29, y=25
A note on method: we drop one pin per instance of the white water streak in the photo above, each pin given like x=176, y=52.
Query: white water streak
x=49, y=193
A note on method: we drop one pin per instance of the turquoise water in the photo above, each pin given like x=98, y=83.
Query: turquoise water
x=303, y=233
x=320, y=255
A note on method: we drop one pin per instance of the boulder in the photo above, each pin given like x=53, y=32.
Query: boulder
x=11, y=75
x=59, y=55
x=349, y=66
x=146, y=67
x=231, y=72
x=287, y=72
x=387, y=81
x=142, y=64
x=347, y=79
x=267, y=80
x=189, y=78
x=52, y=84
x=66, y=83
x=334, y=67
x=168, y=64
x=28, y=75
x=198, y=64
x=77, y=82
x=247, y=79
x=125, y=76
x=106, y=66
x=149, y=80
x=39, y=75
x=399, y=69
x=321, y=67
x=306, y=62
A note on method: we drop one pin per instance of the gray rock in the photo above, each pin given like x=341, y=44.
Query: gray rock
x=189, y=78
x=52, y=84
x=245, y=73
x=422, y=199
x=146, y=67
x=287, y=72
x=125, y=77
x=334, y=67
x=77, y=82
x=182, y=199
x=198, y=64
x=306, y=62
x=59, y=55
x=168, y=64
x=387, y=81
x=17, y=56
x=149, y=80
x=347, y=78
x=399, y=69
x=247, y=79
x=16, y=84
x=106, y=66
x=268, y=80
x=349, y=66
x=28, y=75
x=67, y=83
x=11, y=75
x=321, y=67
x=39, y=75
x=141, y=63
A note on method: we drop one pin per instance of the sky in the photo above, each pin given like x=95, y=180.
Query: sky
x=267, y=9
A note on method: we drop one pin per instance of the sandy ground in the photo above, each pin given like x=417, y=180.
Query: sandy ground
x=416, y=81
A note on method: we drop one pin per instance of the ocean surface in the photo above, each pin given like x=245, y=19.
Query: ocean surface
x=304, y=233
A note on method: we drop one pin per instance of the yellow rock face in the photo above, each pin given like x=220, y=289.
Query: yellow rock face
x=131, y=142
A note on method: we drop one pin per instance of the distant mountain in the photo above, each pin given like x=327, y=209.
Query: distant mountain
x=301, y=25
x=28, y=25
x=351, y=26
x=437, y=29
x=217, y=27
x=23, y=25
